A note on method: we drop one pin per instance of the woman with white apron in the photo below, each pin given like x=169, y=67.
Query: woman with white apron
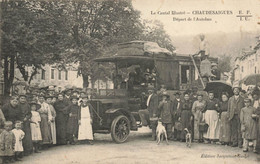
x=85, y=121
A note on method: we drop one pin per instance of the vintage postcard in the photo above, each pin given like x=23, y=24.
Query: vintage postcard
x=130, y=81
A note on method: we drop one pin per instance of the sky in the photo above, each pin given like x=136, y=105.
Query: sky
x=228, y=27
x=224, y=23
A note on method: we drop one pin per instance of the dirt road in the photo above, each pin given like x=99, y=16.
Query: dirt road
x=140, y=149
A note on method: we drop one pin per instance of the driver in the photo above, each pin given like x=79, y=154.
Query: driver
x=149, y=116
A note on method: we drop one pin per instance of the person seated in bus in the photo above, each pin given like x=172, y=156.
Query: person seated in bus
x=130, y=84
x=215, y=73
x=117, y=81
x=147, y=80
x=138, y=77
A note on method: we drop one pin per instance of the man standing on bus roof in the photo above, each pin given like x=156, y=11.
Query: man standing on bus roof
x=203, y=48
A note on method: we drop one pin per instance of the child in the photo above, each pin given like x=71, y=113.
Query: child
x=19, y=135
x=85, y=121
x=7, y=143
x=35, y=126
x=73, y=122
x=166, y=113
x=248, y=125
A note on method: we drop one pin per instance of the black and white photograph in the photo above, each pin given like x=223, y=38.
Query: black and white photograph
x=129, y=81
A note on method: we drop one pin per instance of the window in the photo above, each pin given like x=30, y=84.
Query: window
x=185, y=74
x=43, y=74
x=52, y=73
x=255, y=70
x=66, y=75
x=59, y=74
x=242, y=69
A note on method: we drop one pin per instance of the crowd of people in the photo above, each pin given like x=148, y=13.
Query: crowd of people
x=230, y=120
x=42, y=118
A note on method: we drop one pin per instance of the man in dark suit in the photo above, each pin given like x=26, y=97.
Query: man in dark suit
x=149, y=116
x=176, y=112
x=235, y=104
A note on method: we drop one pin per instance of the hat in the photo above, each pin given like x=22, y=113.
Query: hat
x=51, y=88
x=226, y=74
x=48, y=96
x=75, y=90
x=38, y=106
x=74, y=97
x=236, y=86
x=84, y=96
x=165, y=94
x=8, y=123
x=247, y=100
x=256, y=91
x=200, y=94
x=23, y=95
x=177, y=93
x=213, y=64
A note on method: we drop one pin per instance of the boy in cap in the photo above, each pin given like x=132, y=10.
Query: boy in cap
x=248, y=125
x=74, y=114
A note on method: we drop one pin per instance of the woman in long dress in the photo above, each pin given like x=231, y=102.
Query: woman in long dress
x=197, y=108
x=45, y=114
x=85, y=121
x=52, y=120
x=224, y=134
x=212, y=119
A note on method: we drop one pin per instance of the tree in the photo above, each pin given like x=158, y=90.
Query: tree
x=224, y=63
x=153, y=30
x=97, y=25
x=32, y=35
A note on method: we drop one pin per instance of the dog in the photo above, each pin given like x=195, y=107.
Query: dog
x=160, y=132
x=188, y=138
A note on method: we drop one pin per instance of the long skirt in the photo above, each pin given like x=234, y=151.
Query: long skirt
x=211, y=118
x=45, y=129
x=53, y=132
x=61, y=125
x=36, y=132
x=27, y=140
x=85, y=129
x=185, y=121
x=197, y=120
x=224, y=134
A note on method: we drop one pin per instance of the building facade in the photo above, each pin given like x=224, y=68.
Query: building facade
x=247, y=64
x=54, y=75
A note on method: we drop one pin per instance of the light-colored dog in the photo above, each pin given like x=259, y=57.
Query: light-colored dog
x=188, y=138
x=160, y=132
